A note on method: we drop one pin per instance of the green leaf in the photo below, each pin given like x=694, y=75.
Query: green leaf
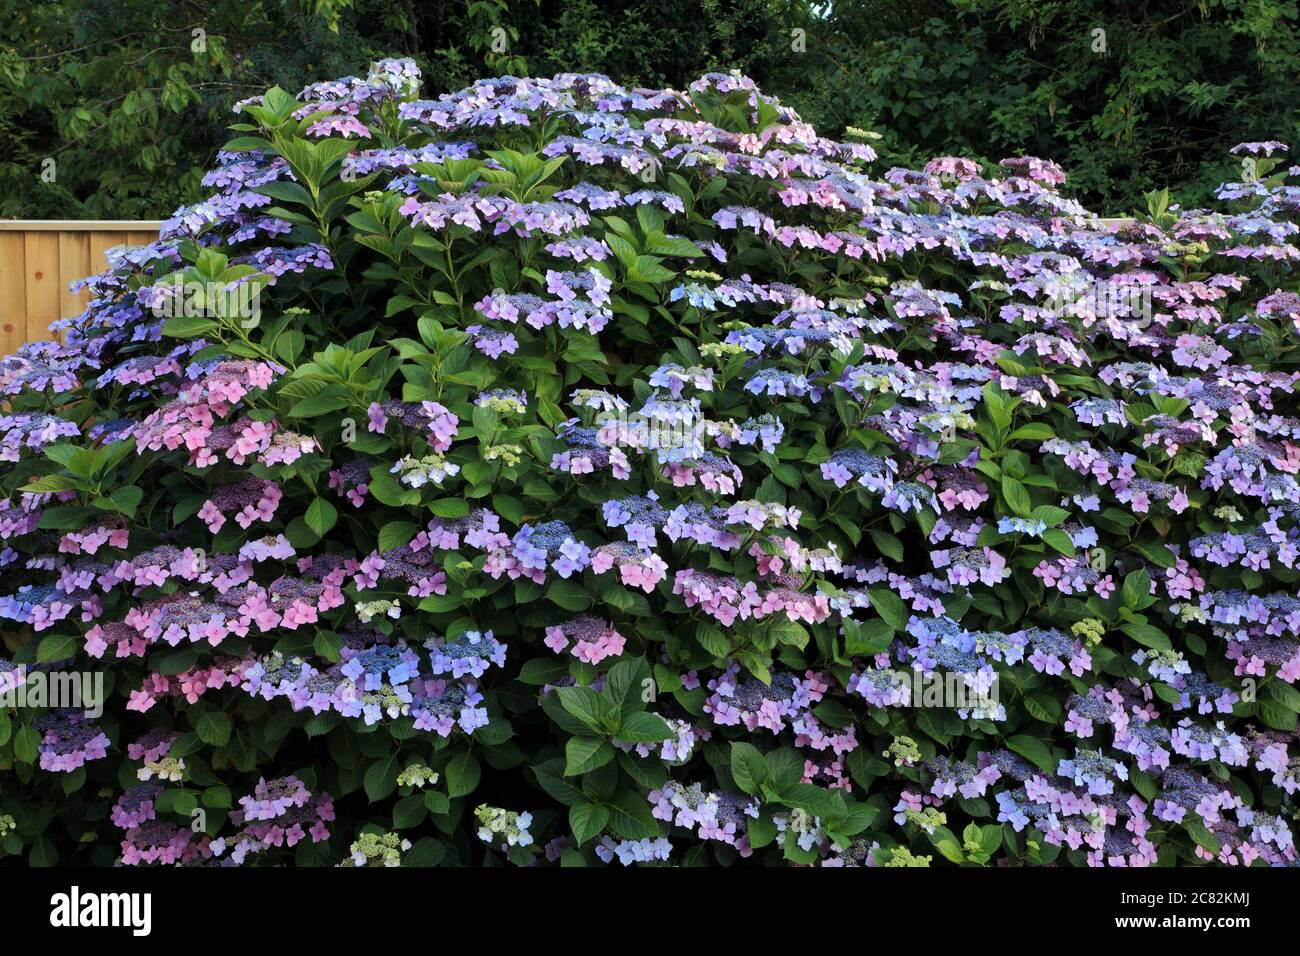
x=887, y=544
x=450, y=507
x=748, y=767
x=1147, y=636
x=1033, y=750
x=569, y=595
x=409, y=812
x=1279, y=718
x=285, y=191
x=556, y=787
x=1059, y=541
x=1043, y=707
x=1034, y=431
x=761, y=831
x=998, y=405
x=26, y=744
x=463, y=774
x=586, y=820
x=946, y=843
x=327, y=645
x=867, y=638
x=583, y=754
x=1198, y=831
x=990, y=838
x=50, y=484
x=788, y=632
x=212, y=726
x=381, y=778
x=1156, y=552
x=316, y=405
x=217, y=798
x=1143, y=784
x=891, y=608
x=586, y=705
x=543, y=670
x=321, y=516
x=710, y=637
x=1050, y=514
x=626, y=684
x=643, y=727
x=1284, y=695
x=56, y=648
x=1137, y=589
x=426, y=852
x=43, y=853
x=1017, y=497
x=125, y=500
x=395, y=534
x=188, y=327
x=630, y=818
x=387, y=491
x=784, y=768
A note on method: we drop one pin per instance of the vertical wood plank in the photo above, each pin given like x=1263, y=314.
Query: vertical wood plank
x=74, y=263
x=13, y=300
x=100, y=243
x=41, y=275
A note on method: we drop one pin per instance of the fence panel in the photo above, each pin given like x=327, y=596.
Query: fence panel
x=38, y=258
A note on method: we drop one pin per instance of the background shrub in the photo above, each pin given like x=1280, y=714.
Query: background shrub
x=118, y=91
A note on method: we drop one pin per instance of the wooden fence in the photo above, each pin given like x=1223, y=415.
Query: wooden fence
x=38, y=258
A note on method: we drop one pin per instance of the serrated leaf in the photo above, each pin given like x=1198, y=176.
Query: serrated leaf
x=586, y=705
x=212, y=727
x=56, y=648
x=321, y=516
x=630, y=818
x=569, y=595
x=395, y=534
x=462, y=773
x=867, y=638
x=409, y=812
x=587, y=820
x=584, y=754
x=748, y=767
x=1137, y=589
x=26, y=744
x=1033, y=750
x=891, y=608
x=1017, y=497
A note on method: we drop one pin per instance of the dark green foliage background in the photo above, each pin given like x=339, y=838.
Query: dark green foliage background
x=112, y=90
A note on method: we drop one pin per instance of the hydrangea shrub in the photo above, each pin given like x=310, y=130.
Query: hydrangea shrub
x=560, y=473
